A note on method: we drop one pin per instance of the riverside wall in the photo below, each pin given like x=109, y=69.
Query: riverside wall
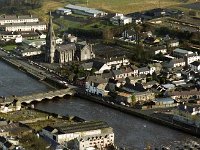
x=138, y=113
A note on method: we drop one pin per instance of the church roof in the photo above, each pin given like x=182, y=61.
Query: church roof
x=66, y=47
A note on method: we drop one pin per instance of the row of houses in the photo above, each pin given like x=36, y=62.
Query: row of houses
x=21, y=23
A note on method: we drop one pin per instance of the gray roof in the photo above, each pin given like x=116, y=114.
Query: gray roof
x=179, y=50
x=15, y=17
x=96, y=79
x=66, y=47
x=85, y=9
x=117, y=72
x=143, y=69
x=79, y=127
x=23, y=24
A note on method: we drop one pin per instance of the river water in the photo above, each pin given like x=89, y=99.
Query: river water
x=130, y=132
x=15, y=82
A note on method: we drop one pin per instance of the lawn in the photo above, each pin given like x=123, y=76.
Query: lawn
x=9, y=47
x=127, y=6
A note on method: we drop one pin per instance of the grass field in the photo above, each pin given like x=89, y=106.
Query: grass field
x=121, y=6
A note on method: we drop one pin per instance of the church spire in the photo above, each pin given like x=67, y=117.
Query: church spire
x=50, y=42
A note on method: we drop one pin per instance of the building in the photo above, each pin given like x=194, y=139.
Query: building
x=80, y=136
x=65, y=53
x=120, y=19
x=191, y=58
x=143, y=96
x=195, y=66
x=11, y=36
x=27, y=26
x=116, y=62
x=96, y=85
x=181, y=53
x=158, y=50
x=63, y=11
x=85, y=11
x=28, y=51
x=84, y=51
x=175, y=63
x=184, y=95
x=4, y=19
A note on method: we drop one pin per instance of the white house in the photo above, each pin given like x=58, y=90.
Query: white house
x=27, y=26
x=96, y=85
x=7, y=36
x=7, y=19
x=195, y=66
x=191, y=58
x=120, y=19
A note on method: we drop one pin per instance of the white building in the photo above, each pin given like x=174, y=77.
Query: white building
x=117, y=62
x=7, y=36
x=27, y=26
x=85, y=11
x=63, y=11
x=192, y=58
x=96, y=85
x=85, y=134
x=4, y=19
x=120, y=19
x=195, y=66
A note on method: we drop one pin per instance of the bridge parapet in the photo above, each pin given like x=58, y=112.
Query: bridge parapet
x=38, y=96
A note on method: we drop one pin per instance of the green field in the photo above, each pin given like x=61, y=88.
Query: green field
x=120, y=6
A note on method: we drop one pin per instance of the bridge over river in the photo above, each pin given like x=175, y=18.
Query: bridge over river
x=38, y=96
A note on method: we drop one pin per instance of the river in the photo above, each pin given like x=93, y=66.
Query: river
x=130, y=132
x=15, y=82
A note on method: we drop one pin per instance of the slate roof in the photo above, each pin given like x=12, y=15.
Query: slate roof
x=195, y=63
x=66, y=47
x=15, y=17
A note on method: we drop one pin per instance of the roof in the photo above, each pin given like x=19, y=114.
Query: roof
x=96, y=79
x=2, y=139
x=85, y=9
x=66, y=47
x=180, y=60
x=117, y=72
x=183, y=51
x=195, y=63
x=167, y=99
x=15, y=17
x=143, y=69
x=63, y=9
x=124, y=94
x=83, y=126
x=137, y=87
x=23, y=24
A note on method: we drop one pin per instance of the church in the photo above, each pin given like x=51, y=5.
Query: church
x=65, y=53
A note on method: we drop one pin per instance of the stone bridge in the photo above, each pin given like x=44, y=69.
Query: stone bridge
x=39, y=96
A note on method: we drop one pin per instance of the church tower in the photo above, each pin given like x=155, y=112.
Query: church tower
x=50, y=42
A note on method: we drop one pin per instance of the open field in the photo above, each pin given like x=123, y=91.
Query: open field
x=121, y=6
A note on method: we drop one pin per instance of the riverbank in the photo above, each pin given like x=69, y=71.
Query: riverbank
x=33, y=72
x=139, y=113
